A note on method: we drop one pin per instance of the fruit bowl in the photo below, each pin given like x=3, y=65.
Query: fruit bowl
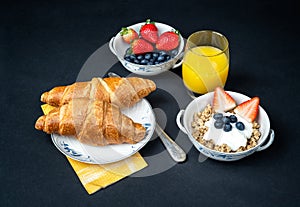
x=119, y=48
x=198, y=104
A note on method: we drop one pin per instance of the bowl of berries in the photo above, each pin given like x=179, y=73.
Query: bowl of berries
x=226, y=125
x=148, y=48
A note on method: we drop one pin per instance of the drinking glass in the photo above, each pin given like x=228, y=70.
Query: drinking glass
x=206, y=62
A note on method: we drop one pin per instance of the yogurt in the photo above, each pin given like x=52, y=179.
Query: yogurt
x=235, y=138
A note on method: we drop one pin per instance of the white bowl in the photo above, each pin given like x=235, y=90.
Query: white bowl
x=118, y=47
x=198, y=104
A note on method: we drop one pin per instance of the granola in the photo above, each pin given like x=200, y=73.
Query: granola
x=199, y=128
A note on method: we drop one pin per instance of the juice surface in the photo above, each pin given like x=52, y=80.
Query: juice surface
x=204, y=68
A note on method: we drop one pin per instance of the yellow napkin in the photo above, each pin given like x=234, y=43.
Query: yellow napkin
x=94, y=177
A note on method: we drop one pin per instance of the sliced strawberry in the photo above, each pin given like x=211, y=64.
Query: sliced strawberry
x=149, y=31
x=128, y=34
x=139, y=46
x=222, y=101
x=168, y=40
x=248, y=109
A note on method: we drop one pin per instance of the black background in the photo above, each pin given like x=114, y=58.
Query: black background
x=44, y=44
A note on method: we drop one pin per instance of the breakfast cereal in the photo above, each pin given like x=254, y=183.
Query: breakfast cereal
x=200, y=127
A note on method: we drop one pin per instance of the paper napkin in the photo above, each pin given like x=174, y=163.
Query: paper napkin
x=93, y=177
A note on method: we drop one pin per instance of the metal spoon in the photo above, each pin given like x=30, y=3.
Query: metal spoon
x=174, y=150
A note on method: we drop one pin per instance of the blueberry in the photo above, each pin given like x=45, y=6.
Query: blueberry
x=218, y=116
x=144, y=61
x=160, y=58
x=155, y=54
x=136, y=61
x=227, y=127
x=151, y=61
x=226, y=119
x=132, y=57
x=218, y=124
x=162, y=53
x=233, y=118
x=156, y=62
x=148, y=56
x=240, y=126
x=140, y=57
x=128, y=59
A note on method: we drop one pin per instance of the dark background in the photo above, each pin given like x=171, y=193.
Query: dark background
x=44, y=44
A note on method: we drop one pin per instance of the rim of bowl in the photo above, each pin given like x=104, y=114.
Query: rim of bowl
x=231, y=153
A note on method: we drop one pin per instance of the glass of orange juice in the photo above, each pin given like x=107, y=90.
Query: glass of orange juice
x=206, y=62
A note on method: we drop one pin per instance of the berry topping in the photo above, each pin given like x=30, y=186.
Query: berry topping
x=218, y=116
x=128, y=34
x=233, y=118
x=168, y=41
x=218, y=124
x=224, y=122
x=227, y=127
x=149, y=31
x=226, y=119
x=248, y=109
x=222, y=101
x=240, y=126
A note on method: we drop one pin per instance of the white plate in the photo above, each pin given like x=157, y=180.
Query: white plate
x=141, y=113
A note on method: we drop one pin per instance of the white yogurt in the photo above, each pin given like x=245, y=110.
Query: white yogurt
x=235, y=138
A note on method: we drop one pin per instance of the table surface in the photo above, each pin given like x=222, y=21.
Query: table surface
x=45, y=44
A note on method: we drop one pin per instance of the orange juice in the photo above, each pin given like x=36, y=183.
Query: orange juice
x=204, y=68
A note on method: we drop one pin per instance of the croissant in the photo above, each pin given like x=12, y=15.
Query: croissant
x=92, y=122
x=123, y=92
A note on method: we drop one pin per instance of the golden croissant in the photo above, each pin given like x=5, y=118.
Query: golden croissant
x=123, y=92
x=92, y=122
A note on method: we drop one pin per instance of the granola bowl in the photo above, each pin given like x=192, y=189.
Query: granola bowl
x=118, y=47
x=185, y=119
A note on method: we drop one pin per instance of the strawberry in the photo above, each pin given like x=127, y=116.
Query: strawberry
x=140, y=45
x=248, y=109
x=149, y=31
x=168, y=41
x=222, y=101
x=128, y=34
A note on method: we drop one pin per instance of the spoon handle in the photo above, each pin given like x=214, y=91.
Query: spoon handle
x=174, y=150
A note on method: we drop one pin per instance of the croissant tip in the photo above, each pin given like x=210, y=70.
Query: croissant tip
x=39, y=124
x=44, y=97
x=152, y=85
